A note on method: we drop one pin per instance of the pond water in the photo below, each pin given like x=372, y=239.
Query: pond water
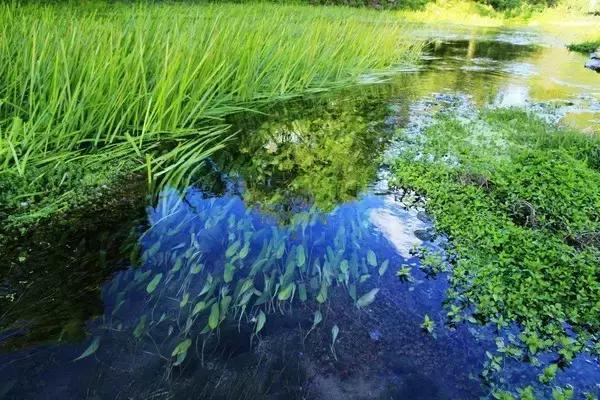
x=275, y=276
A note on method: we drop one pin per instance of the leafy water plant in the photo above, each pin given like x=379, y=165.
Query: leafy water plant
x=513, y=269
x=334, y=334
x=211, y=265
x=428, y=325
x=404, y=273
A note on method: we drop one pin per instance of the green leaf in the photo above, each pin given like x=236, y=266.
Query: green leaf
x=371, y=258
x=245, y=250
x=318, y=317
x=228, y=272
x=199, y=307
x=213, y=319
x=232, y=249
x=383, y=267
x=90, y=350
x=302, y=292
x=286, y=292
x=140, y=327
x=322, y=295
x=367, y=298
x=260, y=321
x=177, y=265
x=300, y=256
x=182, y=347
x=181, y=351
x=154, y=283
x=334, y=334
x=280, y=250
x=184, y=300
x=195, y=269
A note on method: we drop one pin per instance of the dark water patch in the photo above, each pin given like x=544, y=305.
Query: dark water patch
x=49, y=286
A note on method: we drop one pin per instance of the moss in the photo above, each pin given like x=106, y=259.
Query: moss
x=519, y=200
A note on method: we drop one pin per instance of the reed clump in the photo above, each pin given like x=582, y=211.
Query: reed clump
x=152, y=82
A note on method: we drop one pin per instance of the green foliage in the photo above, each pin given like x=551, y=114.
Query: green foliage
x=585, y=47
x=324, y=154
x=428, y=325
x=128, y=81
x=520, y=200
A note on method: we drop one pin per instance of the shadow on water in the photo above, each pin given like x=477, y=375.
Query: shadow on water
x=234, y=288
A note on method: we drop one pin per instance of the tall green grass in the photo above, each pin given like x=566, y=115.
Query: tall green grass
x=152, y=82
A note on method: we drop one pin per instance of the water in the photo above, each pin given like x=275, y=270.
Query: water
x=296, y=217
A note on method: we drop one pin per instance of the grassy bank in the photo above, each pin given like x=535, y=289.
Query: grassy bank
x=520, y=200
x=86, y=86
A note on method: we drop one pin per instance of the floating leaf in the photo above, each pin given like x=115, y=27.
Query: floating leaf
x=367, y=298
x=213, y=319
x=371, y=258
x=260, y=321
x=154, y=283
x=90, y=350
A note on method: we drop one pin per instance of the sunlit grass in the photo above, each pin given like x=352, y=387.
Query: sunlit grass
x=460, y=12
x=152, y=82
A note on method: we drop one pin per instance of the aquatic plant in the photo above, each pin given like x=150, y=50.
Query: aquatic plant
x=404, y=273
x=428, y=325
x=520, y=202
x=209, y=264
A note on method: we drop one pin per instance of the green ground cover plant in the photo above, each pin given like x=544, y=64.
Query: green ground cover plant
x=520, y=201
